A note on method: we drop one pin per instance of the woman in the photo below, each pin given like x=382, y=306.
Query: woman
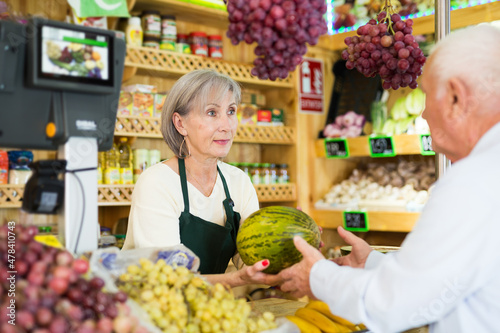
x=194, y=198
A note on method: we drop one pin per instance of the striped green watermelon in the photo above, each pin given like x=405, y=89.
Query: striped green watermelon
x=268, y=234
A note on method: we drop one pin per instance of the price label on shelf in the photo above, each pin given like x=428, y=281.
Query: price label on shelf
x=426, y=145
x=381, y=146
x=336, y=148
x=355, y=221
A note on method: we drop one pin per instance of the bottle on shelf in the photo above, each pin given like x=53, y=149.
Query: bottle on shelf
x=246, y=168
x=273, y=173
x=101, y=164
x=125, y=161
x=112, y=169
x=266, y=173
x=283, y=177
x=134, y=31
x=255, y=174
x=141, y=160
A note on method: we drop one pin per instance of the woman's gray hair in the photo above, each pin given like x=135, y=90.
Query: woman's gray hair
x=477, y=65
x=190, y=92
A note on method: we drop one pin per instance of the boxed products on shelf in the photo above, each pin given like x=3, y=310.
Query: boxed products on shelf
x=141, y=100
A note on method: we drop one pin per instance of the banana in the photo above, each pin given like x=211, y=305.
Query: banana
x=324, y=323
x=304, y=325
x=323, y=308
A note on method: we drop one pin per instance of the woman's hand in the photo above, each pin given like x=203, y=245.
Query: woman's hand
x=360, y=250
x=255, y=274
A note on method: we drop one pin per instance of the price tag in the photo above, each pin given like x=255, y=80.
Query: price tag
x=355, y=221
x=381, y=146
x=336, y=148
x=426, y=145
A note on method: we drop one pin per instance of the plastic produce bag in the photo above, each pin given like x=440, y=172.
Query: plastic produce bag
x=110, y=263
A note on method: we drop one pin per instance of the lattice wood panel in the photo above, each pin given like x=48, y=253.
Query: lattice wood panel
x=276, y=192
x=150, y=127
x=138, y=126
x=114, y=195
x=178, y=63
x=265, y=134
x=11, y=196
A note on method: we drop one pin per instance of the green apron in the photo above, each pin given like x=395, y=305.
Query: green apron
x=215, y=245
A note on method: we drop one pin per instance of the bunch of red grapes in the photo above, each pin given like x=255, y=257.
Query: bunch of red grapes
x=281, y=29
x=386, y=48
x=48, y=293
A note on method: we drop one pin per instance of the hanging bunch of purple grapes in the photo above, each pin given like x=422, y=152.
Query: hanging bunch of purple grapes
x=281, y=29
x=386, y=48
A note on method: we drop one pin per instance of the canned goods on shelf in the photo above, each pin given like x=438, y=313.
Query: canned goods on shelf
x=183, y=44
x=168, y=33
x=198, y=43
x=215, y=46
x=151, y=23
x=153, y=42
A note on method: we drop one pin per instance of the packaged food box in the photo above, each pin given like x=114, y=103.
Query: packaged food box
x=247, y=114
x=143, y=104
x=253, y=97
x=142, y=88
x=125, y=103
x=159, y=101
x=277, y=116
x=264, y=117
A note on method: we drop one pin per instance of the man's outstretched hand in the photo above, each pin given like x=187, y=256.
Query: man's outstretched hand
x=360, y=250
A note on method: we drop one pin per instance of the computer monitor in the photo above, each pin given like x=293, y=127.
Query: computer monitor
x=58, y=73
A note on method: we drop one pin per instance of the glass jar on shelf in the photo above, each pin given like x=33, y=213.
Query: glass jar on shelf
x=274, y=173
x=199, y=43
x=255, y=174
x=215, y=46
x=245, y=167
x=283, y=177
x=266, y=173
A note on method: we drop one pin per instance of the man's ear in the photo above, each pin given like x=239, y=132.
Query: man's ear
x=458, y=98
x=179, y=123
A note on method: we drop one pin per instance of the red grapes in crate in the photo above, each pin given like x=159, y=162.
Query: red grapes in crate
x=386, y=48
x=281, y=29
x=50, y=294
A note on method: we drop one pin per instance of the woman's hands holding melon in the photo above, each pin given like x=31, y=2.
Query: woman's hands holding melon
x=360, y=250
x=254, y=274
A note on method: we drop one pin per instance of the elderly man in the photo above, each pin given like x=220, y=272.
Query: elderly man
x=447, y=272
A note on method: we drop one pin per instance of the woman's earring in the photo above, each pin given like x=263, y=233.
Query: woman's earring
x=180, y=149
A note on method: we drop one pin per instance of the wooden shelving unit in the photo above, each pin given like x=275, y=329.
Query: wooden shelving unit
x=121, y=195
x=11, y=195
x=459, y=18
x=149, y=127
x=405, y=144
x=148, y=61
x=186, y=11
x=378, y=220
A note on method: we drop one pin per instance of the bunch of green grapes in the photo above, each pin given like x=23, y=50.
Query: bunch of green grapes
x=179, y=301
